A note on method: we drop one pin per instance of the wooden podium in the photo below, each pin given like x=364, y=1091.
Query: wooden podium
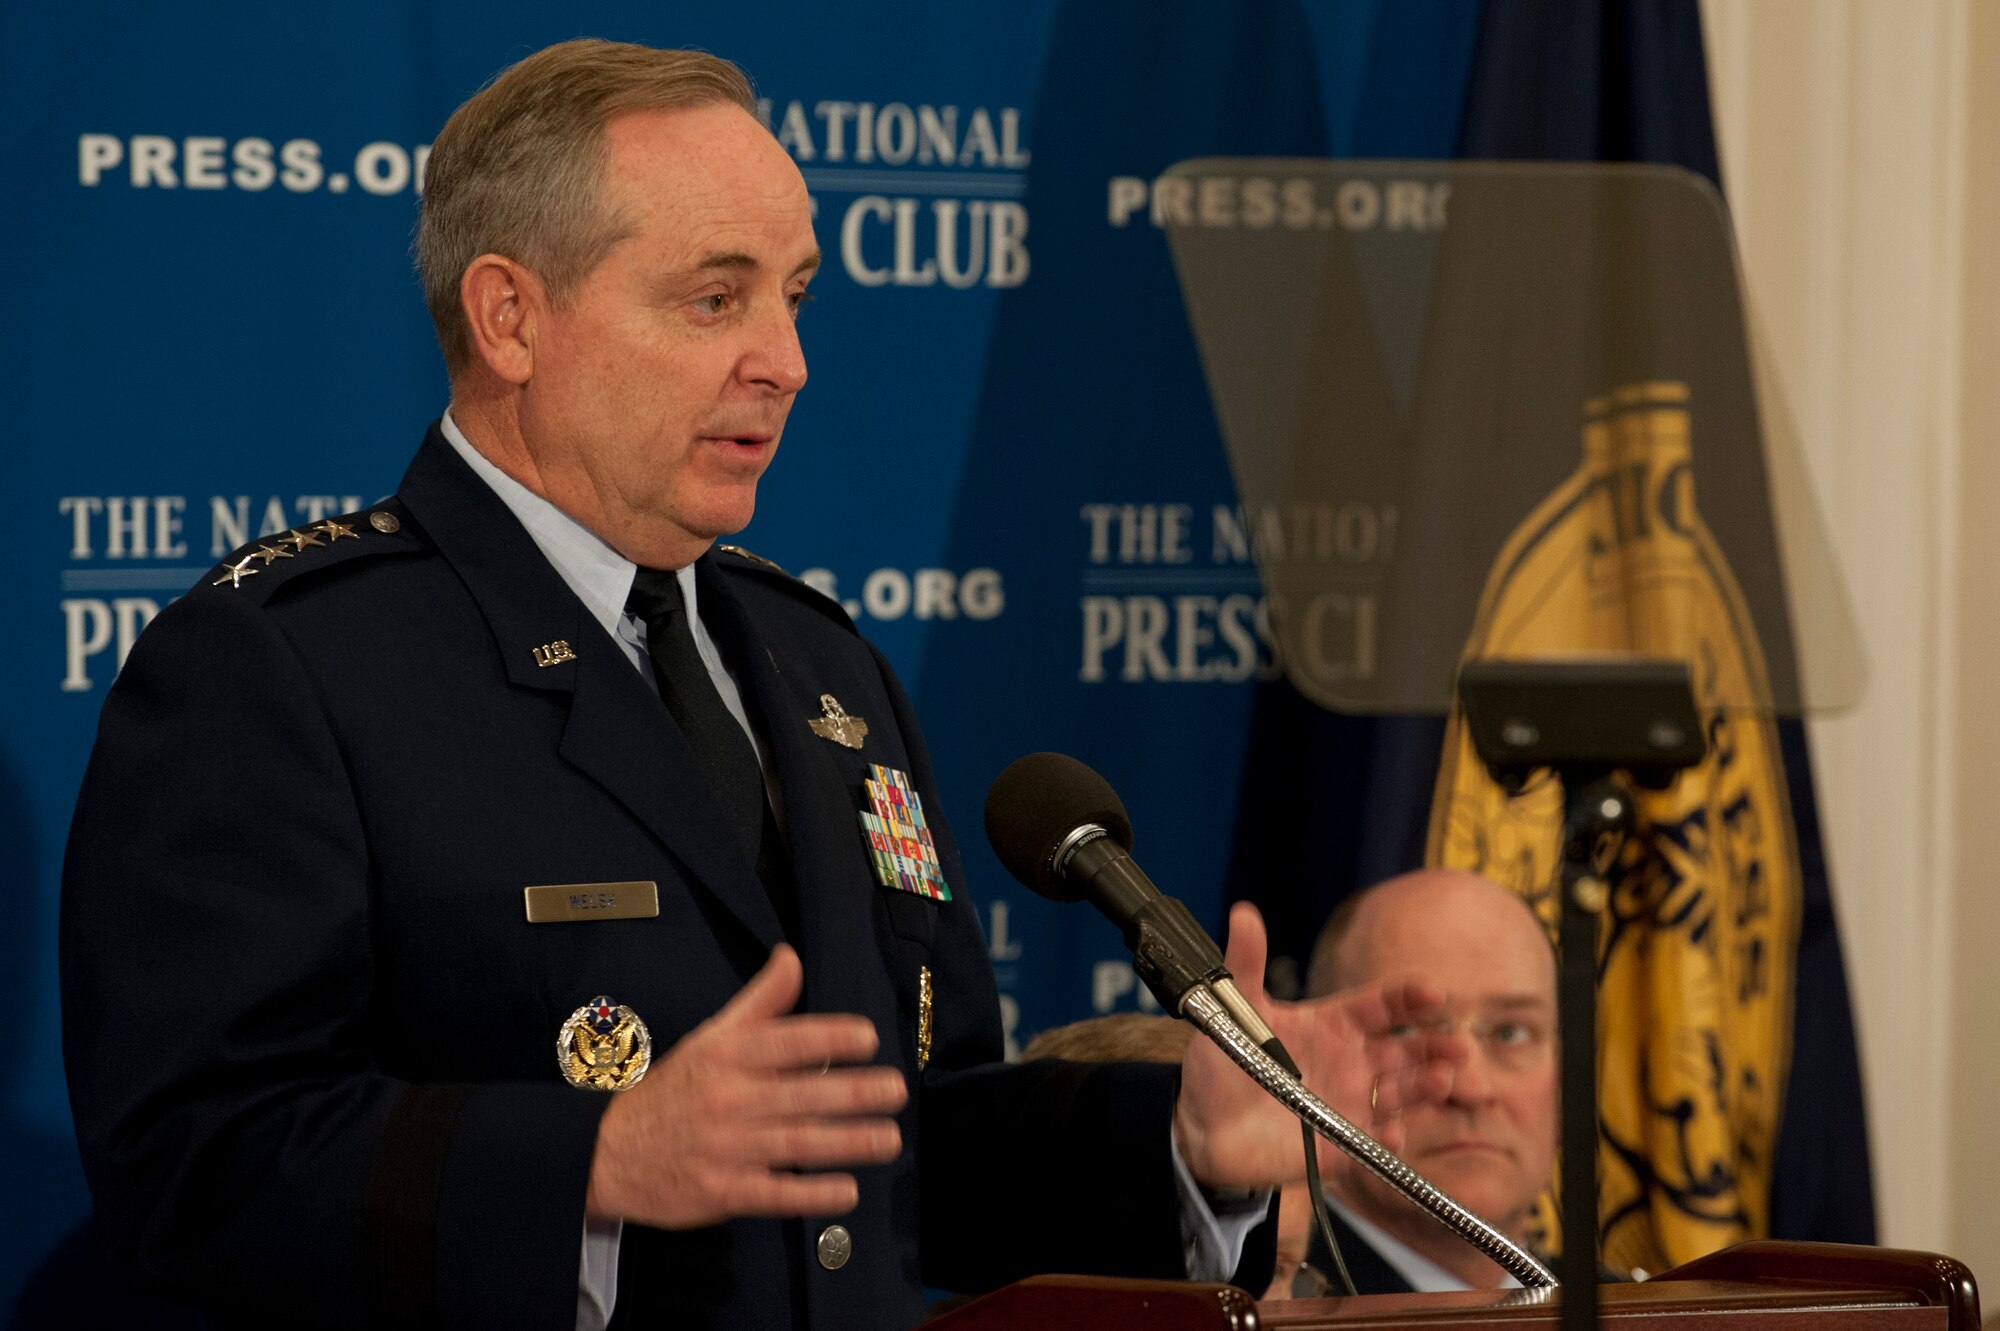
x=1765, y=1286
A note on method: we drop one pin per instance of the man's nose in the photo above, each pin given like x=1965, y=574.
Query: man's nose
x=775, y=359
x=1474, y=1081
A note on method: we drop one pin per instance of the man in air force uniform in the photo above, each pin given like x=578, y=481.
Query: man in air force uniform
x=401, y=826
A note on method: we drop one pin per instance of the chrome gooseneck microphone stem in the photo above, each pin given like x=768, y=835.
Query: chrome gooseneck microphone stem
x=1206, y=1011
x=1060, y=829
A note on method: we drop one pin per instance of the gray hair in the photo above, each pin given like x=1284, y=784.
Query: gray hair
x=519, y=169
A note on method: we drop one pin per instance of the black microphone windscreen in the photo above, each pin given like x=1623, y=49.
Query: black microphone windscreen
x=1039, y=800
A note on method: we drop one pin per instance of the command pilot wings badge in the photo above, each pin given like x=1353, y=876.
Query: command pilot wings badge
x=835, y=724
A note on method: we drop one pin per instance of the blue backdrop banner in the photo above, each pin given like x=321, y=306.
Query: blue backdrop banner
x=1005, y=465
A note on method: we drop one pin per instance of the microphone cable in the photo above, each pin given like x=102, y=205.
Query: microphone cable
x=1315, y=1195
x=1320, y=1217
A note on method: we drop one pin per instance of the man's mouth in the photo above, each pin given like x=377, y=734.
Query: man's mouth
x=756, y=445
x=1467, y=1144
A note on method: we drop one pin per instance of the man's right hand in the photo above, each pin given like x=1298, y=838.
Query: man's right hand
x=721, y=1123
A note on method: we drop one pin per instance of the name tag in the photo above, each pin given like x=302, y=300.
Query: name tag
x=563, y=903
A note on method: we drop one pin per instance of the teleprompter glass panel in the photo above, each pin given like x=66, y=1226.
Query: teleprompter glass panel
x=1503, y=410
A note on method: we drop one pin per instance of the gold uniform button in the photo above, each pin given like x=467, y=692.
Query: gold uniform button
x=386, y=523
x=836, y=1245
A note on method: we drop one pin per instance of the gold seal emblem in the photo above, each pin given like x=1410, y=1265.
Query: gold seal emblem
x=604, y=1047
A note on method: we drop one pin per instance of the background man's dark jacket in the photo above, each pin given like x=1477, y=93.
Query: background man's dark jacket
x=1369, y=1269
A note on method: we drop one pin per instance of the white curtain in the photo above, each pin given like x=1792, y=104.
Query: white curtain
x=1860, y=143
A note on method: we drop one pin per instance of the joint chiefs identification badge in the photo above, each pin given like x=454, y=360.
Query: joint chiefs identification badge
x=899, y=843
x=604, y=1047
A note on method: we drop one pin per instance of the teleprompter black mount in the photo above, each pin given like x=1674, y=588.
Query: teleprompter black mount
x=1596, y=723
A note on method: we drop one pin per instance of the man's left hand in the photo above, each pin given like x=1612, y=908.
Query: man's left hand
x=1369, y=1052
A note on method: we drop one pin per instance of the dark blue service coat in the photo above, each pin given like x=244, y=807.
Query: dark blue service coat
x=311, y=1037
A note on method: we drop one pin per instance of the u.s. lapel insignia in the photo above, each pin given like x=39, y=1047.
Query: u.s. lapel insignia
x=554, y=653
x=923, y=1016
x=604, y=1047
x=899, y=843
x=835, y=724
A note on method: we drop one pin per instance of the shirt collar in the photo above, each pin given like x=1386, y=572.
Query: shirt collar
x=1425, y=1276
x=599, y=575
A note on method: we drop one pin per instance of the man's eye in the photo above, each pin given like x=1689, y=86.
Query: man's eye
x=1400, y=1031
x=1515, y=1033
x=798, y=300
x=714, y=304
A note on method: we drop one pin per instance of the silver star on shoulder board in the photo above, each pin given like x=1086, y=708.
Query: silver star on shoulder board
x=836, y=725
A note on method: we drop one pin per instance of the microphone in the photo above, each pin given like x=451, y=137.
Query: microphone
x=1062, y=831
x=1060, y=828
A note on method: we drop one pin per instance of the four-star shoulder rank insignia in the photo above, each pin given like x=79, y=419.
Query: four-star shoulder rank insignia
x=292, y=544
x=604, y=1047
x=753, y=557
x=899, y=843
x=835, y=724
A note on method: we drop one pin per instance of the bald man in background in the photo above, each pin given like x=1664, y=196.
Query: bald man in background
x=1491, y=1144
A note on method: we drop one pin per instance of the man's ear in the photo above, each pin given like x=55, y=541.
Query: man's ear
x=503, y=304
